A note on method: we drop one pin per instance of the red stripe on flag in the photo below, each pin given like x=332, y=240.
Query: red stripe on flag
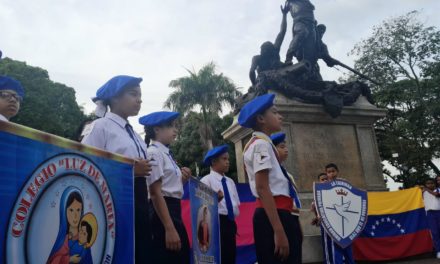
x=245, y=230
x=387, y=248
x=245, y=225
x=186, y=217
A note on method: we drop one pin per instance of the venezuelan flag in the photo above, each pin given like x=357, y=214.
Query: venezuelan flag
x=396, y=228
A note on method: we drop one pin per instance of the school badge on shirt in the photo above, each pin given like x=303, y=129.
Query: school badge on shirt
x=343, y=209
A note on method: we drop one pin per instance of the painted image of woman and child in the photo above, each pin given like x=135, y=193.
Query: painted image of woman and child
x=203, y=234
x=77, y=232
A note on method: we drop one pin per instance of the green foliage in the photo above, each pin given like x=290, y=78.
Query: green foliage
x=404, y=55
x=188, y=148
x=47, y=106
x=400, y=48
x=206, y=91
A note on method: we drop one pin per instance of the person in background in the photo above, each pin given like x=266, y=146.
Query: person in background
x=218, y=160
x=279, y=141
x=432, y=206
x=322, y=178
x=83, y=129
x=11, y=97
x=333, y=253
x=437, y=183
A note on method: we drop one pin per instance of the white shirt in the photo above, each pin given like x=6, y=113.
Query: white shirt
x=164, y=168
x=214, y=180
x=109, y=133
x=259, y=156
x=431, y=201
x=3, y=118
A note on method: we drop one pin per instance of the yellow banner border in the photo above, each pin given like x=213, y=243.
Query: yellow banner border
x=41, y=136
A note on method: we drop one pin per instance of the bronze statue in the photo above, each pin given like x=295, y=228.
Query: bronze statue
x=321, y=48
x=302, y=80
x=269, y=58
x=303, y=43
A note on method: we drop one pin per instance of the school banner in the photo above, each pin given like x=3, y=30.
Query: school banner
x=204, y=223
x=62, y=202
x=245, y=240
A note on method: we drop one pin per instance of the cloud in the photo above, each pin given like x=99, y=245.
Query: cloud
x=84, y=43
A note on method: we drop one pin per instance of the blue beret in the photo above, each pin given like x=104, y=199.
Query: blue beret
x=278, y=138
x=258, y=105
x=214, y=153
x=115, y=85
x=7, y=83
x=158, y=118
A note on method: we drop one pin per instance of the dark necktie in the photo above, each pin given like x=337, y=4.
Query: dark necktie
x=292, y=191
x=228, y=199
x=170, y=155
x=139, y=149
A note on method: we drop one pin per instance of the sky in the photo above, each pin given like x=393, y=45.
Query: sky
x=84, y=43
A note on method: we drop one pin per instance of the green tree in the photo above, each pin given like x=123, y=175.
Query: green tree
x=47, y=106
x=404, y=55
x=188, y=149
x=206, y=91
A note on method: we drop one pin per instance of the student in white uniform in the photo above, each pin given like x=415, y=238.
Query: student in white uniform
x=218, y=159
x=275, y=231
x=11, y=96
x=113, y=133
x=279, y=141
x=431, y=197
x=170, y=239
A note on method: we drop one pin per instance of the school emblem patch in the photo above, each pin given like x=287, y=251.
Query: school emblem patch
x=343, y=209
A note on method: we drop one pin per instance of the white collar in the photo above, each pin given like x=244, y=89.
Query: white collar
x=261, y=135
x=217, y=175
x=117, y=119
x=266, y=138
x=160, y=146
x=3, y=118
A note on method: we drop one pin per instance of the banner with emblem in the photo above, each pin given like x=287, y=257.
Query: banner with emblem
x=343, y=209
x=62, y=202
x=205, y=224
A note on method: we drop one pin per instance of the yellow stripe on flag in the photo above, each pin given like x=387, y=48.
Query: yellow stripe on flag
x=382, y=203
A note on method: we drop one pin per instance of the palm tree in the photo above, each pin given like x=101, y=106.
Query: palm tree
x=205, y=91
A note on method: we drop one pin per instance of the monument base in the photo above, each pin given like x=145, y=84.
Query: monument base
x=315, y=139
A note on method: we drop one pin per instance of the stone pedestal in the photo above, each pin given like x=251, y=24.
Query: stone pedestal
x=316, y=139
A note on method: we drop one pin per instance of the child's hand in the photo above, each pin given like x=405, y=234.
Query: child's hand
x=281, y=245
x=316, y=221
x=186, y=174
x=220, y=195
x=75, y=259
x=172, y=240
x=142, y=168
